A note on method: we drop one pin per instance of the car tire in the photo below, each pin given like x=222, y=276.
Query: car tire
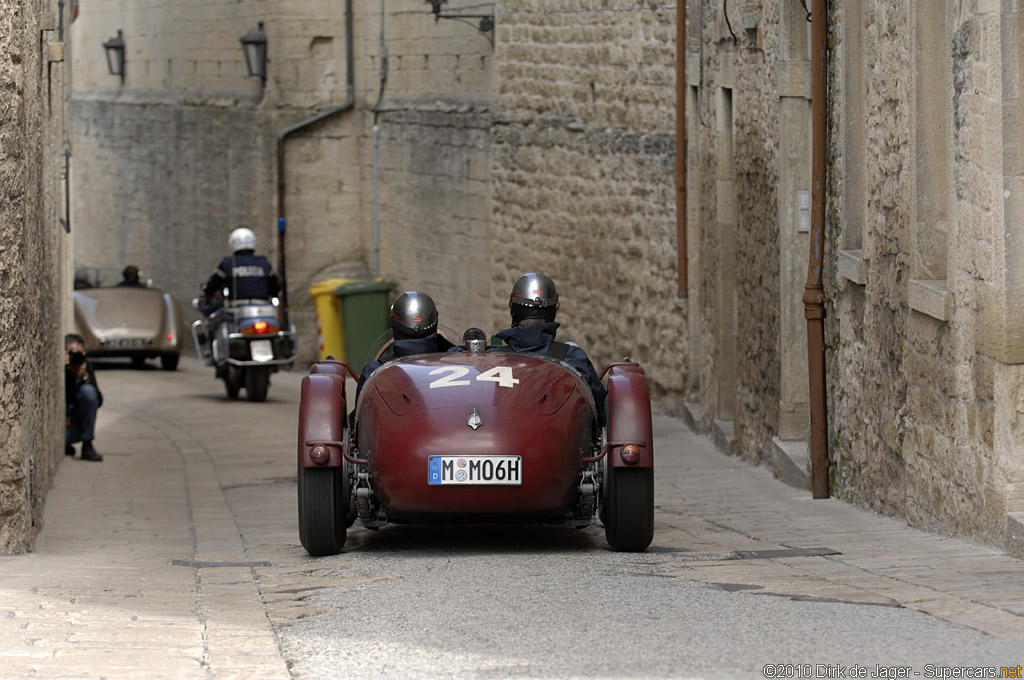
x=629, y=515
x=169, y=362
x=257, y=380
x=323, y=507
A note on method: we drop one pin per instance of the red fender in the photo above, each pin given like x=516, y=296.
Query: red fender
x=629, y=413
x=322, y=413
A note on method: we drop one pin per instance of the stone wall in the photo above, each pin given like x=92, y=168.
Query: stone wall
x=583, y=176
x=32, y=114
x=925, y=376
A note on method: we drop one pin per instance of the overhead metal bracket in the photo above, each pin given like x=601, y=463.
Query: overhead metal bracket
x=486, y=24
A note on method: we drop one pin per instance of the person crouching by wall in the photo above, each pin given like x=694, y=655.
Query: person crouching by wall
x=82, y=399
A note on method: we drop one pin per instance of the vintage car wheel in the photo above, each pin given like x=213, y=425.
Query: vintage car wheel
x=257, y=380
x=169, y=362
x=629, y=515
x=323, y=509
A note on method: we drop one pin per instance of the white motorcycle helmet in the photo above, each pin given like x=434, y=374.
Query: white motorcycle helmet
x=242, y=239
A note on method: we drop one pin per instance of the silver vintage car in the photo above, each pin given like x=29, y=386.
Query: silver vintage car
x=123, y=317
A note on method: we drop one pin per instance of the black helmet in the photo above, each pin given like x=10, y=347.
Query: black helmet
x=131, y=274
x=533, y=297
x=413, y=315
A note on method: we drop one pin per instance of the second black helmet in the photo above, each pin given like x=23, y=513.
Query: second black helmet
x=533, y=297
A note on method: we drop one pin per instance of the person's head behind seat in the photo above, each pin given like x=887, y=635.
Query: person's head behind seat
x=534, y=300
x=131, y=274
x=413, y=315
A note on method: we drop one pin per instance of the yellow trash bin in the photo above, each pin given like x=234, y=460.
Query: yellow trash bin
x=328, y=318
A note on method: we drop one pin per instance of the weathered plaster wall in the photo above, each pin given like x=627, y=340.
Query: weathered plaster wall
x=31, y=403
x=583, y=172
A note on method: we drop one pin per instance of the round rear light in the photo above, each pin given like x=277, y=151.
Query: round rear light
x=630, y=454
x=320, y=454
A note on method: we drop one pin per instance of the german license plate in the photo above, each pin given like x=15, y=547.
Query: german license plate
x=261, y=350
x=126, y=343
x=493, y=470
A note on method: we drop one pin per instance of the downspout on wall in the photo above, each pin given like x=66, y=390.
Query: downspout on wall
x=349, y=103
x=814, y=292
x=681, y=145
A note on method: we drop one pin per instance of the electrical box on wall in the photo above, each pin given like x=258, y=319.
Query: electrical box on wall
x=803, y=202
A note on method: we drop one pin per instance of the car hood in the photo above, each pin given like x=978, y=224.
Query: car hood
x=120, y=311
x=503, y=380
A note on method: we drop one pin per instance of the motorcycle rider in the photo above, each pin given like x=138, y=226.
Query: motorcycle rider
x=413, y=322
x=244, y=275
x=240, y=276
x=533, y=304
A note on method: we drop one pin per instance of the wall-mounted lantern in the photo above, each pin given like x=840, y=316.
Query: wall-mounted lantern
x=254, y=44
x=486, y=24
x=115, y=55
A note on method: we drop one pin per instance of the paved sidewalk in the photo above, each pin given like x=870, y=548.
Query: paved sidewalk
x=148, y=566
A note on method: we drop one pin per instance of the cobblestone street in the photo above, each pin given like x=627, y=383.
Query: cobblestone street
x=178, y=557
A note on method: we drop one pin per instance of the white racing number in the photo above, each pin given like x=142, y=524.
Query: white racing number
x=499, y=374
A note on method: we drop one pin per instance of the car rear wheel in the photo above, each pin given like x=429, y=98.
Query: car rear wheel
x=257, y=380
x=169, y=362
x=629, y=512
x=323, y=509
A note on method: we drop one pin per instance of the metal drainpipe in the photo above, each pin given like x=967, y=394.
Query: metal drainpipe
x=814, y=292
x=681, y=145
x=350, y=102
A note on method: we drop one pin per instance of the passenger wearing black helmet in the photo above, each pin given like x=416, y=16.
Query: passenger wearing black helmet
x=414, y=327
x=533, y=304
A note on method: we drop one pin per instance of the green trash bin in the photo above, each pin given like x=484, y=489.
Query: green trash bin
x=364, y=314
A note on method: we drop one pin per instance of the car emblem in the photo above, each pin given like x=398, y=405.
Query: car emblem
x=474, y=420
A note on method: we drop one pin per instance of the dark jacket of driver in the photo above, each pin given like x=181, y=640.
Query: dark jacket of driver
x=537, y=340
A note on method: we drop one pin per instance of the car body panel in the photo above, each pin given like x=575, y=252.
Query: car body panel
x=419, y=407
x=128, y=322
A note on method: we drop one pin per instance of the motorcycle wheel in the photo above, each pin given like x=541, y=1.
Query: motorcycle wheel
x=231, y=388
x=257, y=380
x=629, y=517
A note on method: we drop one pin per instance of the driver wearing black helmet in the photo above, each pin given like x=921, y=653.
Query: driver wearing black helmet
x=533, y=304
x=414, y=327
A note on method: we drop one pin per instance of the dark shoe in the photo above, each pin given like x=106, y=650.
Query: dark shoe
x=69, y=450
x=89, y=453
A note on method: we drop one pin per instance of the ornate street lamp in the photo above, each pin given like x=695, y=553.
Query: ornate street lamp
x=115, y=55
x=254, y=44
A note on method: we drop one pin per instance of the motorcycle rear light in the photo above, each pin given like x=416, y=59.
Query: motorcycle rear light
x=630, y=454
x=261, y=328
x=320, y=454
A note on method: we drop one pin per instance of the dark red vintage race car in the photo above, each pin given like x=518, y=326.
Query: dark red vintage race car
x=478, y=436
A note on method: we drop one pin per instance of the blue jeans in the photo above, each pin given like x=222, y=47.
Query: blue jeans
x=82, y=427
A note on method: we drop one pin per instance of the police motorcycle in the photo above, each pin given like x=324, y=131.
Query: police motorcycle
x=241, y=336
x=244, y=341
